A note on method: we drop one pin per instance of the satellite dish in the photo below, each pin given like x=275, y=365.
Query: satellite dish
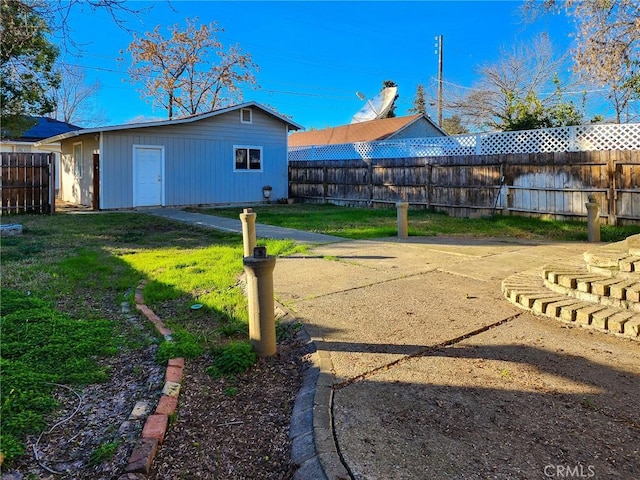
x=377, y=107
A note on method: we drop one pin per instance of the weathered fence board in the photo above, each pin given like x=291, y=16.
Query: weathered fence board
x=554, y=184
x=26, y=182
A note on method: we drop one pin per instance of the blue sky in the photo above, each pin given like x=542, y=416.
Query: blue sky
x=314, y=56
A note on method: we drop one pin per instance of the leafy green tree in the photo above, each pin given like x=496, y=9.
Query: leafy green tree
x=563, y=113
x=525, y=113
x=529, y=113
x=453, y=125
x=27, y=72
x=419, y=103
x=28, y=77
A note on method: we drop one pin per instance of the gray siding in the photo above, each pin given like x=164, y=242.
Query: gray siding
x=421, y=128
x=199, y=160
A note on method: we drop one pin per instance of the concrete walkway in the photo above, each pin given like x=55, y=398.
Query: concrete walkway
x=235, y=226
x=424, y=371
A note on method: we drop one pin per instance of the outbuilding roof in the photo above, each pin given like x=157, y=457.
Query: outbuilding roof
x=369, y=131
x=291, y=125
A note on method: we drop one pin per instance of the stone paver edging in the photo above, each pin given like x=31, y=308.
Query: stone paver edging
x=313, y=446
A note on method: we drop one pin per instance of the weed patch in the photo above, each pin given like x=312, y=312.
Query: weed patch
x=184, y=344
x=41, y=346
x=232, y=359
x=103, y=452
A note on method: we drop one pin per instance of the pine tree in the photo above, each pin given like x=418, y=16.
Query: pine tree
x=419, y=103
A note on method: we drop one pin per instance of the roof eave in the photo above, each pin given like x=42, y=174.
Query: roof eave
x=60, y=137
x=291, y=125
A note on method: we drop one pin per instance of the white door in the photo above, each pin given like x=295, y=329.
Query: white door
x=147, y=175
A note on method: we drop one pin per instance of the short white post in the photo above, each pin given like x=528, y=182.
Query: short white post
x=248, y=219
x=403, y=225
x=262, y=328
x=593, y=219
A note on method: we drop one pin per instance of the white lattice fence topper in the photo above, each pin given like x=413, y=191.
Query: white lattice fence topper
x=561, y=139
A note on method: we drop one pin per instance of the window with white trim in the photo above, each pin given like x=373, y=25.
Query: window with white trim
x=246, y=115
x=77, y=159
x=247, y=158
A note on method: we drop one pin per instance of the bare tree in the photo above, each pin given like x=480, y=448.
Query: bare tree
x=607, y=44
x=509, y=93
x=75, y=99
x=189, y=72
x=57, y=12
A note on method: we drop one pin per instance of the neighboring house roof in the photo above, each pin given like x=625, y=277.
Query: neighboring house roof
x=44, y=128
x=369, y=131
x=291, y=125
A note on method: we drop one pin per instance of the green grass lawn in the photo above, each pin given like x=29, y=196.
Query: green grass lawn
x=367, y=223
x=63, y=281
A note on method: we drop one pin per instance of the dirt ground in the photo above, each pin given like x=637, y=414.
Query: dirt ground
x=237, y=429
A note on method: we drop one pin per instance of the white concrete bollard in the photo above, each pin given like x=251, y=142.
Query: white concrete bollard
x=248, y=219
x=403, y=224
x=262, y=327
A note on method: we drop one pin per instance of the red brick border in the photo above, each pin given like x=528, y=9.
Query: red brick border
x=155, y=427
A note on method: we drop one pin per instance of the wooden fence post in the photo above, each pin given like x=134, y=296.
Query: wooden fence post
x=611, y=194
x=370, y=181
x=429, y=171
x=325, y=186
x=52, y=183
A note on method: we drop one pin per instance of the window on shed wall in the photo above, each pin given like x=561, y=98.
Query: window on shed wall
x=246, y=115
x=247, y=157
x=77, y=159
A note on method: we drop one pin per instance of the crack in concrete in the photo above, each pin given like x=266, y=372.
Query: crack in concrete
x=351, y=289
x=421, y=352
x=424, y=351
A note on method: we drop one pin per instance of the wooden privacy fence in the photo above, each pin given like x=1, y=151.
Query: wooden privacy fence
x=538, y=184
x=26, y=183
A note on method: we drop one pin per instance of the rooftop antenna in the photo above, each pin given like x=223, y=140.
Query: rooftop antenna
x=377, y=107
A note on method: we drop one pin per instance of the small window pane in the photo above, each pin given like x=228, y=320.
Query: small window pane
x=254, y=159
x=241, y=159
x=245, y=115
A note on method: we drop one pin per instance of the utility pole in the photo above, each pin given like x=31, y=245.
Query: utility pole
x=440, y=40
